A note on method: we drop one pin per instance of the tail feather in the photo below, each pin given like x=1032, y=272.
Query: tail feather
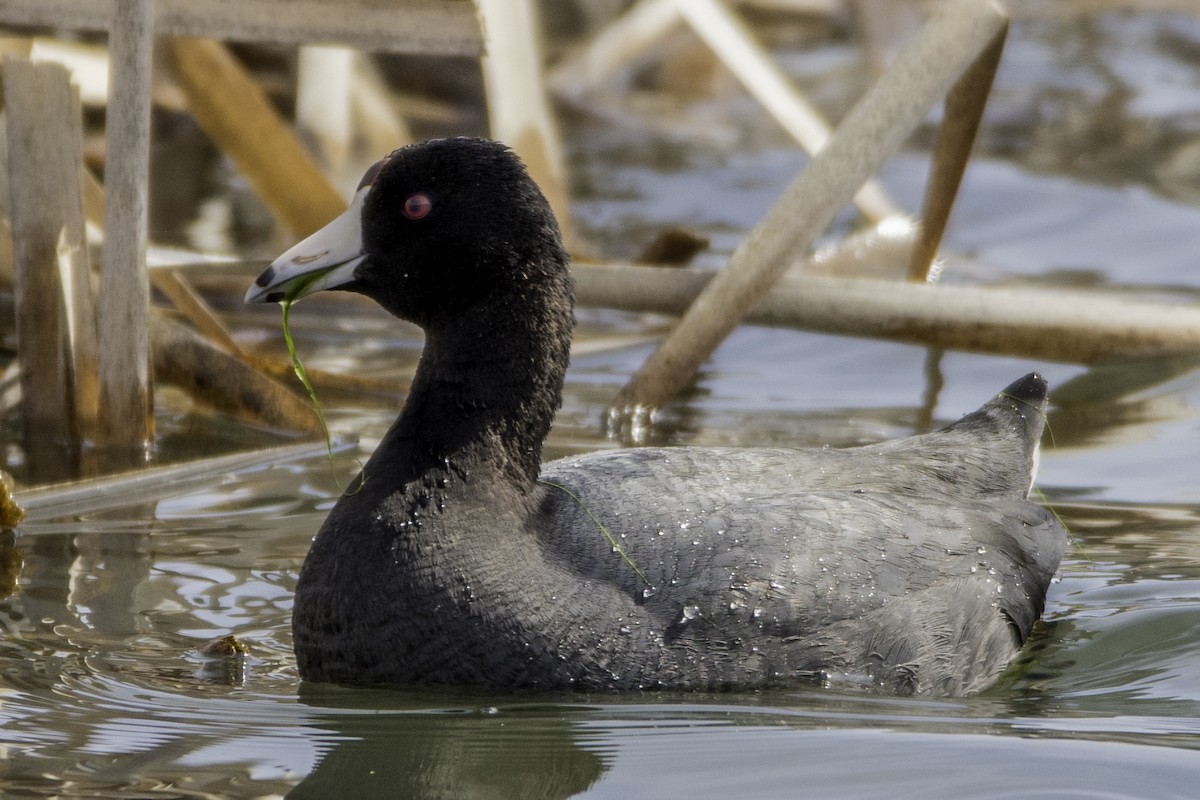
x=1008, y=425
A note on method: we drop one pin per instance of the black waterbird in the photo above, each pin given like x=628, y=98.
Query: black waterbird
x=915, y=566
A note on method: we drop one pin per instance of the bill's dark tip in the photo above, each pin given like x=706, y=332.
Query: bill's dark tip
x=266, y=278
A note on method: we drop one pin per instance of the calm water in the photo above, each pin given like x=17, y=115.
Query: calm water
x=1086, y=176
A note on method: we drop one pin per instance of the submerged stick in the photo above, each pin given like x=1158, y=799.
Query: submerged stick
x=872, y=131
x=140, y=486
x=1067, y=326
x=184, y=358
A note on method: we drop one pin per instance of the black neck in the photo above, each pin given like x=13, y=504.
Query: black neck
x=482, y=403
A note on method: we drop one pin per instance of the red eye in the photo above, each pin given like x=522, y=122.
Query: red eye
x=417, y=206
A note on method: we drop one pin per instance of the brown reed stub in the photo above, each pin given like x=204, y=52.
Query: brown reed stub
x=11, y=514
x=57, y=353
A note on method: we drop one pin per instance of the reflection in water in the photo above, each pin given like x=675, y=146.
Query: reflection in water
x=448, y=753
x=1120, y=394
x=934, y=381
x=1123, y=628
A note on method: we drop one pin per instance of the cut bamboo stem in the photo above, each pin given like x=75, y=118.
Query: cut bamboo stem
x=873, y=130
x=1066, y=326
x=235, y=113
x=736, y=46
x=126, y=394
x=952, y=150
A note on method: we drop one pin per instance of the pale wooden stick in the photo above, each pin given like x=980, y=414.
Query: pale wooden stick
x=126, y=392
x=1053, y=325
x=890, y=111
x=235, y=113
x=323, y=78
x=375, y=110
x=448, y=27
x=517, y=109
x=736, y=46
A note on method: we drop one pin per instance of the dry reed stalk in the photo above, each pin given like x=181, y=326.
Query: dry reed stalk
x=871, y=132
x=625, y=39
x=324, y=75
x=185, y=359
x=956, y=136
x=648, y=22
x=736, y=46
x=126, y=418
x=64, y=501
x=1068, y=326
x=173, y=284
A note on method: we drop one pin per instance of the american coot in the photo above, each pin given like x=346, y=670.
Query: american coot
x=915, y=566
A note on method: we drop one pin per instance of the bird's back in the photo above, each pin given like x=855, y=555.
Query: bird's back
x=918, y=564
